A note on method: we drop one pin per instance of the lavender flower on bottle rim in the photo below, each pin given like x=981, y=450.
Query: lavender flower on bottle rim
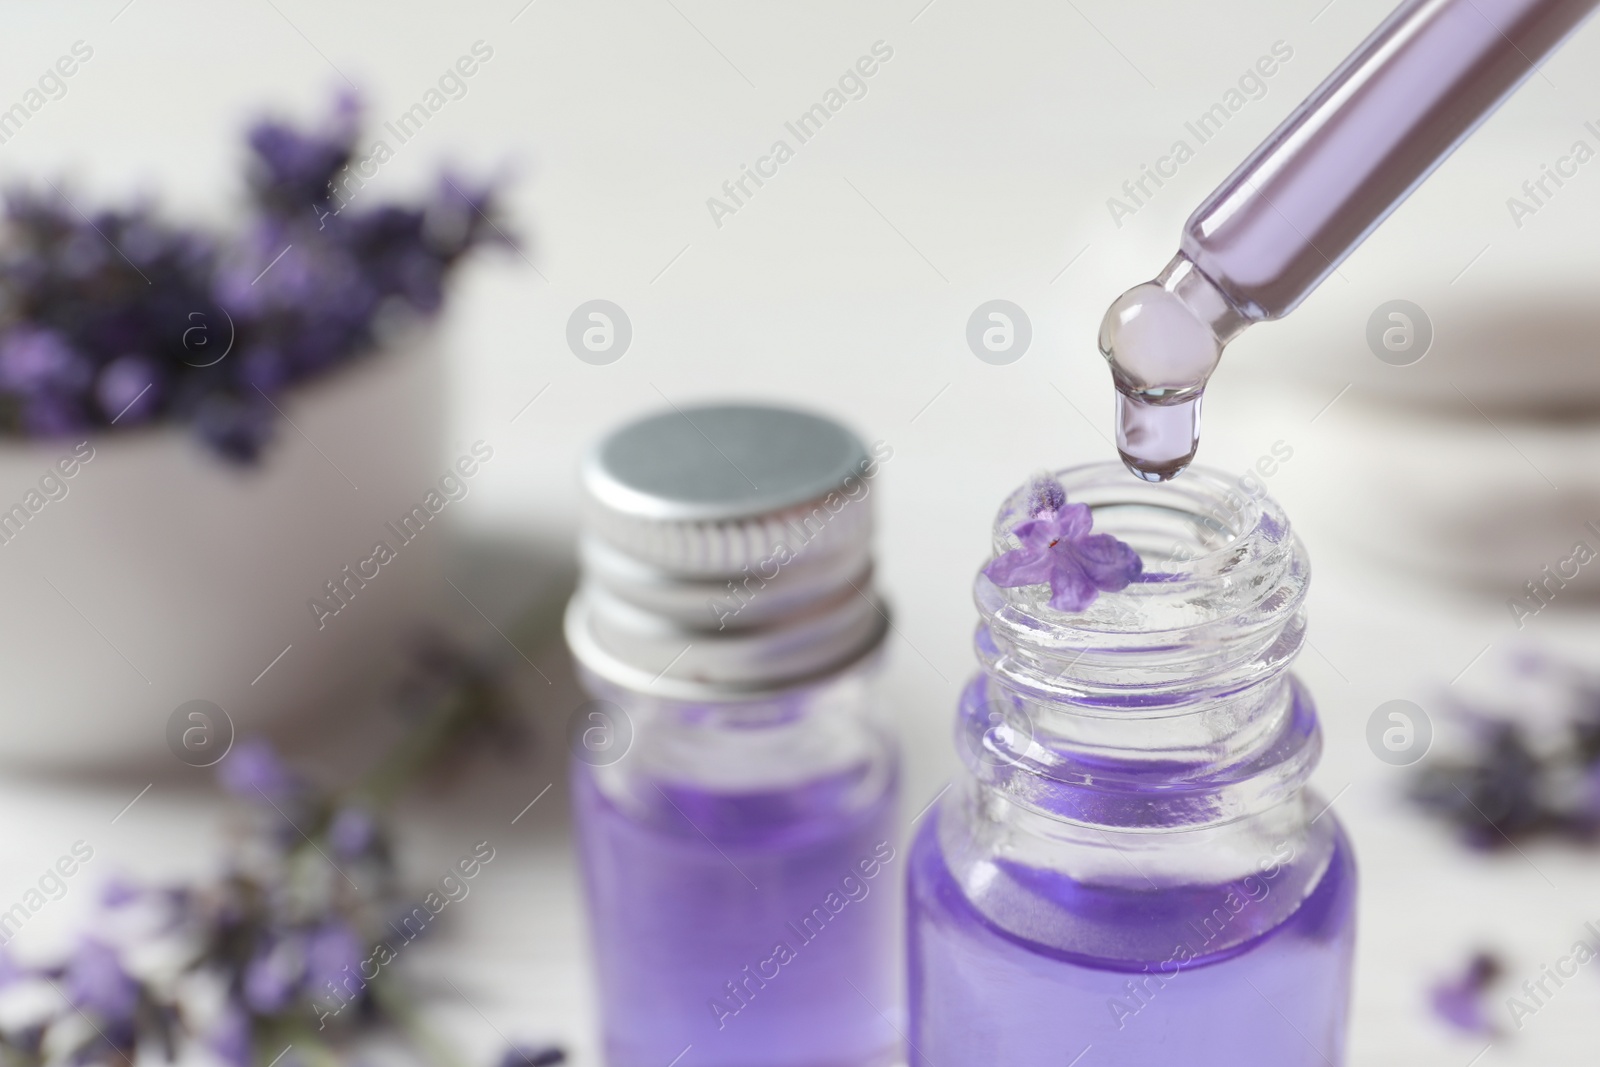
x=1045, y=495
x=1058, y=549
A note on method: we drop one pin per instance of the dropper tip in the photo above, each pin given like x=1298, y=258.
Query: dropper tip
x=1157, y=441
x=1148, y=472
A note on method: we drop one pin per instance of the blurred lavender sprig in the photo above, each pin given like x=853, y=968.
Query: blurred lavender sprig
x=278, y=952
x=1526, y=771
x=117, y=318
x=1462, y=999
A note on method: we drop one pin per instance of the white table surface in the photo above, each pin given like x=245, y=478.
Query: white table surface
x=976, y=167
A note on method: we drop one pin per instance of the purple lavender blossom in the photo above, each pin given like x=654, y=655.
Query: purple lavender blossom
x=263, y=367
x=333, y=956
x=51, y=415
x=99, y=308
x=117, y=891
x=351, y=832
x=254, y=770
x=1045, y=494
x=96, y=983
x=10, y=970
x=1499, y=793
x=128, y=389
x=34, y=360
x=272, y=978
x=1058, y=548
x=1588, y=795
x=292, y=169
x=229, y=1037
x=282, y=935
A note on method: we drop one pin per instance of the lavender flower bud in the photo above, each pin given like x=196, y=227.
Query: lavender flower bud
x=1045, y=495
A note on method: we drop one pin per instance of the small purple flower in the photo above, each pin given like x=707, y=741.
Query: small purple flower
x=10, y=970
x=97, y=983
x=253, y=770
x=1496, y=796
x=229, y=1037
x=263, y=367
x=83, y=255
x=117, y=892
x=1058, y=548
x=533, y=1056
x=129, y=389
x=351, y=833
x=1045, y=494
x=271, y=978
x=35, y=360
x=52, y=414
x=1461, y=1002
x=1588, y=798
x=294, y=168
x=333, y=955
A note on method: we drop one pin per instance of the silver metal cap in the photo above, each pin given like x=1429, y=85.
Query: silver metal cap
x=726, y=553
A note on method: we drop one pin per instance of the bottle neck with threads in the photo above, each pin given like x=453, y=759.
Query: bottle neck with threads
x=1153, y=744
x=726, y=620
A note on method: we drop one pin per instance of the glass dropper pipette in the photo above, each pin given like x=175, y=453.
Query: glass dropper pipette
x=1303, y=200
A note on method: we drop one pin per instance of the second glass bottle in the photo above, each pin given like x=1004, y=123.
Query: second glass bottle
x=734, y=779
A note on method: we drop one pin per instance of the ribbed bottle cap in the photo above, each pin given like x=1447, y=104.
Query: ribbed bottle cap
x=726, y=553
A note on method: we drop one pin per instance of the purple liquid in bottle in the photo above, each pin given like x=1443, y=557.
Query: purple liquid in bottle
x=738, y=928
x=1129, y=869
x=734, y=780
x=982, y=995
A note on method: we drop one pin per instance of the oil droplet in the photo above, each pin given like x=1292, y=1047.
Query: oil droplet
x=1155, y=440
x=1163, y=339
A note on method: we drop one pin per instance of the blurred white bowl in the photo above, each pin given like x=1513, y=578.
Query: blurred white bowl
x=165, y=576
x=1484, y=505
x=1522, y=346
